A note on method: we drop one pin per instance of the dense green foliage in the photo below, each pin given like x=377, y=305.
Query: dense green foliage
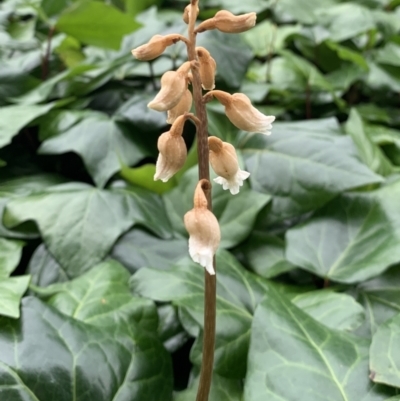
x=99, y=300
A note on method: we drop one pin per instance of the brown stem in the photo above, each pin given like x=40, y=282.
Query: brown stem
x=45, y=60
x=308, y=101
x=202, y=151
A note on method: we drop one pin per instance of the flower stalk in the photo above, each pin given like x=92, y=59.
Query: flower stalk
x=176, y=99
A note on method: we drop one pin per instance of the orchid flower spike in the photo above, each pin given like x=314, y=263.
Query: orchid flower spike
x=227, y=22
x=242, y=113
x=203, y=229
x=172, y=150
x=224, y=162
x=156, y=46
x=207, y=69
x=186, y=13
x=173, y=86
x=184, y=105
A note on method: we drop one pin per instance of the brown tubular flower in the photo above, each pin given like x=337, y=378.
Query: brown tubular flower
x=224, y=161
x=173, y=86
x=203, y=229
x=227, y=22
x=172, y=150
x=184, y=105
x=156, y=46
x=207, y=68
x=242, y=113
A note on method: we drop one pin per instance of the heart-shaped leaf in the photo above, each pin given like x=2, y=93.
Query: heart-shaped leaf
x=353, y=238
x=49, y=356
x=292, y=357
x=284, y=166
x=80, y=224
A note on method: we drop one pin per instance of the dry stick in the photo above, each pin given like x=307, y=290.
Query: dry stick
x=202, y=151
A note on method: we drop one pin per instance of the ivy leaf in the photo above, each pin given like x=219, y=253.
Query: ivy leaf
x=385, y=357
x=11, y=288
x=80, y=224
x=265, y=254
x=114, y=144
x=295, y=358
x=353, y=238
x=236, y=214
x=337, y=311
x=137, y=249
x=14, y=118
x=293, y=153
x=380, y=298
x=105, y=30
x=101, y=297
x=231, y=53
x=76, y=361
x=238, y=293
x=370, y=153
x=44, y=269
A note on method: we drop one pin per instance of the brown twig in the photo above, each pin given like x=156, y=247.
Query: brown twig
x=308, y=101
x=46, y=58
x=203, y=156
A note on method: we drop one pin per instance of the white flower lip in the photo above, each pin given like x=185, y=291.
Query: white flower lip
x=234, y=183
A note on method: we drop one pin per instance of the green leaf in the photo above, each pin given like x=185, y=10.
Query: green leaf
x=96, y=23
x=353, y=238
x=101, y=297
x=137, y=249
x=143, y=177
x=266, y=38
x=337, y=311
x=285, y=163
x=385, y=358
x=236, y=214
x=231, y=53
x=11, y=291
x=380, y=298
x=389, y=54
x=10, y=254
x=292, y=357
x=14, y=118
x=370, y=153
x=265, y=254
x=49, y=356
x=115, y=144
x=238, y=293
x=44, y=269
x=14, y=187
x=347, y=54
x=80, y=224
x=134, y=7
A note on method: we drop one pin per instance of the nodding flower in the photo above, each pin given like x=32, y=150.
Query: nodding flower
x=184, y=105
x=173, y=86
x=156, y=46
x=227, y=22
x=207, y=68
x=186, y=13
x=203, y=229
x=242, y=113
x=224, y=161
x=172, y=150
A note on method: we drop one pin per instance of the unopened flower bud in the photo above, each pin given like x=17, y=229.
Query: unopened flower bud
x=173, y=86
x=224, y=161
x=227, y=22
x=172, y=150
x=203, y=229
x=184, y=105
x=207, y=68
x=186, y=13
x=155, y=47
x=242, y=113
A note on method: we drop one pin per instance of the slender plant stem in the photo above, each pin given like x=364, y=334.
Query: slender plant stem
x=202, y=150
x=46, y=58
